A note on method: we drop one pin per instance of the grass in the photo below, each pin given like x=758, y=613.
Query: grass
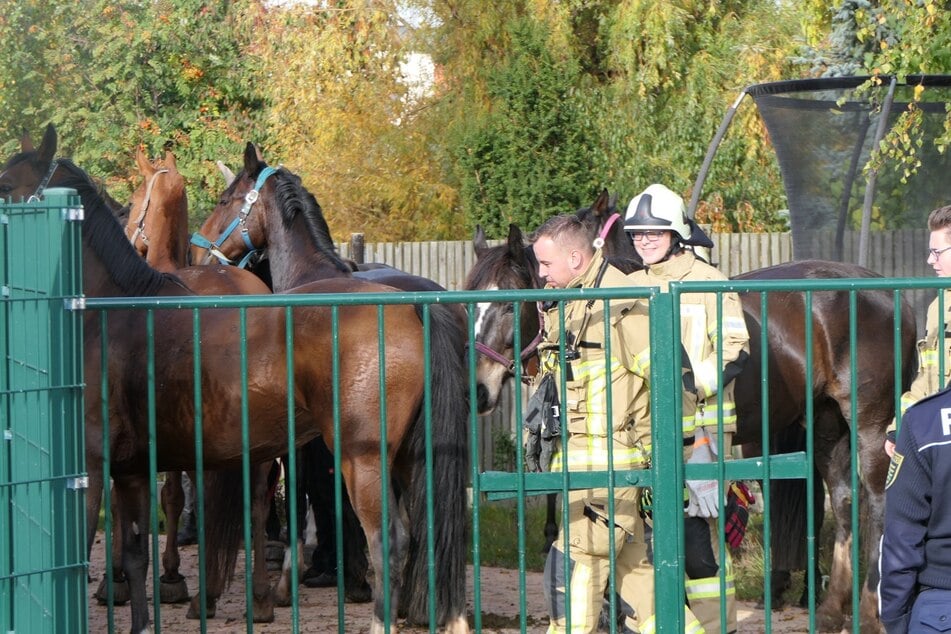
x=499, y=533
x=499, y=546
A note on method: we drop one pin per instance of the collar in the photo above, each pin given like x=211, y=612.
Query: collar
x=588, y=277
x=674, y=268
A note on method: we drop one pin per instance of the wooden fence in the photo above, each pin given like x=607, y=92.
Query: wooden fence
x=892, y=254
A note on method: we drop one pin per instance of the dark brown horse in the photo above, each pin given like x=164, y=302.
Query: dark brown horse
x=112, y=268
x=831, y=390
x=284, y=217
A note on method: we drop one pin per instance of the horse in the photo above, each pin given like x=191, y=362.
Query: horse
x=158, y=214
x=830, y=390
x=112, y=268
x=168, y=200
x=268, y=207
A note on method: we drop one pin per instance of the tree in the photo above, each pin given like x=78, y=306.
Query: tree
x=112, y=76
x=344, y=118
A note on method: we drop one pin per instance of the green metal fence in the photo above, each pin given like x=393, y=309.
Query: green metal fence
x=42, y=516
x=42, y=562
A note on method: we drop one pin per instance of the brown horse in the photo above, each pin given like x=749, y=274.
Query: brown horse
x=158, y=215
x=831, y=389
x=286, y=218
x=111, y=268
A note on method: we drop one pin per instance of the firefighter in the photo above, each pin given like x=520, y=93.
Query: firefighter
x=567, y=259
x=657, y=223
x=930, y=348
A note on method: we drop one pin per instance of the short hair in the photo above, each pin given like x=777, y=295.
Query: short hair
x=567, y=230
x=940, y=219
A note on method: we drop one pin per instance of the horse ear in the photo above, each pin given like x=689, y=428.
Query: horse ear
x=612, y=202
x=515, y=243
x=26, y=143
x=602, y=204
x=145, y=166
x=47, y=150
x=170, y=160
x=252, y=158
x=226, y=172
x=479, y=242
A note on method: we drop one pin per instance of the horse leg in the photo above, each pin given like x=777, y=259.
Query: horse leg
x=830, y=614
x=132, y=497
x=282, y=591
x=173, y=588
x=263, y=608
x=363, y=480
x=874, y=464
x=120, y=584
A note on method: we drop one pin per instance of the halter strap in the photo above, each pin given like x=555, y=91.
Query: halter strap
x=43, y=183
x=140, y=221
x=249, y=199
x=527, y=351
x=599, y=241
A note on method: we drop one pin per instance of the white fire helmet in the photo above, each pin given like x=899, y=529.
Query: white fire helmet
x=657, y=208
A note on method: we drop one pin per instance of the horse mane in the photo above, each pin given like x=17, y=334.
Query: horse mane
x=497, y=266
x=294, y=199
x=105, y=237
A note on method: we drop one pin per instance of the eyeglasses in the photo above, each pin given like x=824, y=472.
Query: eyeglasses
x=937, y=252
x=650, y=236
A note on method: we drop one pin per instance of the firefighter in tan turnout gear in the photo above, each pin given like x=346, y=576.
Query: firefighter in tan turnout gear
x=657, y=223
x=575, y=581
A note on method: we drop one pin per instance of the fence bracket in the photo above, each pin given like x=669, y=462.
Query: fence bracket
x=75, y=303
x=79, y=482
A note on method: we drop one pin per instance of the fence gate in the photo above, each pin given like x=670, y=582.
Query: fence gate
x=42, y=519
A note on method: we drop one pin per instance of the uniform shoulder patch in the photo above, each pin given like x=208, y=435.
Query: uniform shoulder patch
x=893, y=468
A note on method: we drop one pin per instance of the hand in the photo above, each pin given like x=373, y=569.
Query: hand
x=702, y=498
x=890, y=448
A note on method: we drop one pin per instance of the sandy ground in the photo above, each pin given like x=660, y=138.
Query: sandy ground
x=500, y=607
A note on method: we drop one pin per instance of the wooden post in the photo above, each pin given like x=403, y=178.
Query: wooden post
x=357, y=248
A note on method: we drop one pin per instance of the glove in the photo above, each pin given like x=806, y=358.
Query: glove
x=646, y=503
x=702, y=495
x=737, y=513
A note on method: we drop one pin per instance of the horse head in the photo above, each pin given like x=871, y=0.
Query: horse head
x=510, y=266
x=603, y=219
x=157, y=225
x=269, y=207
x=30, y=171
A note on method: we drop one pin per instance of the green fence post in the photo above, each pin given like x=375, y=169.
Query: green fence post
x=42, y=472
x=667, y=466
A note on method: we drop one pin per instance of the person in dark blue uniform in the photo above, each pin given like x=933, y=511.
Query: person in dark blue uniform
x=915, y=585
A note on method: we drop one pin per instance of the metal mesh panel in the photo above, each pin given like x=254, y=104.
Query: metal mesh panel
x=42, y=521
x=823, y=131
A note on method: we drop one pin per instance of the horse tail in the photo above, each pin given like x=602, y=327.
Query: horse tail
x=788, y=519
x=224, y=526
x=450, y=473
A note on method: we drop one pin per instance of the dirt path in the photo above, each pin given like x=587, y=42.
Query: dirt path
x=500, y=603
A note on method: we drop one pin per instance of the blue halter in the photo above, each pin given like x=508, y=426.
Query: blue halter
x=215, y=247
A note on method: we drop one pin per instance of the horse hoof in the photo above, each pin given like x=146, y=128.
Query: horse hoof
x=263, y=610
x=194, y=610
x=359, y=593
x=829, y=622
x=120, y=592
x=173, y=591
